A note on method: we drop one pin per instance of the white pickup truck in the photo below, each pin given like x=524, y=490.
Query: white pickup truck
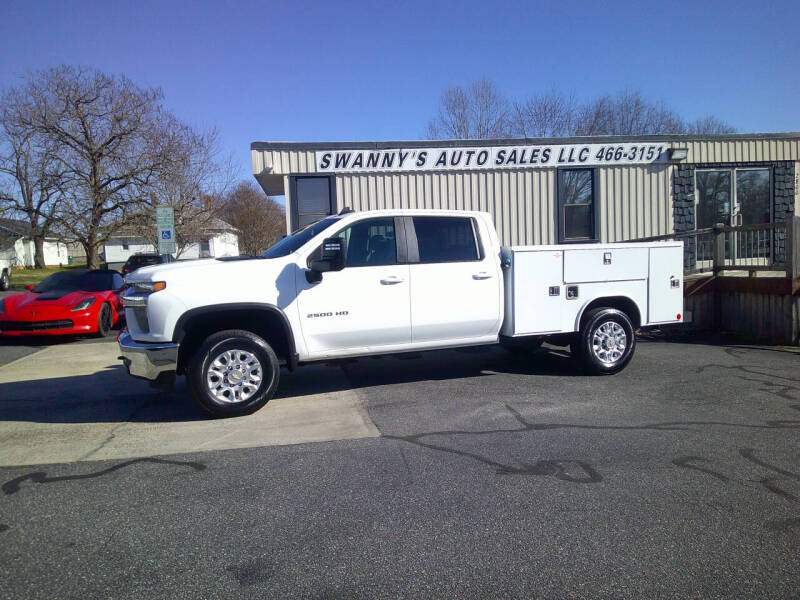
x=384, y=282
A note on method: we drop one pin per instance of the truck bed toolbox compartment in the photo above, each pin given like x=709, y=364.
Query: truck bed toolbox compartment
x=605, y=264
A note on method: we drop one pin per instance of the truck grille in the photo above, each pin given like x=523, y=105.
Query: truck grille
x=35, y=325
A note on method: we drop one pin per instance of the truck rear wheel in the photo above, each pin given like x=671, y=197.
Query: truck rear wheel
x=233, y=373
x=606, y=341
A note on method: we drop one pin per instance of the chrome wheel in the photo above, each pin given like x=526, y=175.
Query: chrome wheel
x=609, y=342
x=234, y=376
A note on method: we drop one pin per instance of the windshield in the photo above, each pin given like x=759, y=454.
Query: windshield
x=292, y=242
x=142, y=260
x=86, y=281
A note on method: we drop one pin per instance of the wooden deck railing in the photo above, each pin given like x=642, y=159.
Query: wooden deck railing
x=751, y=248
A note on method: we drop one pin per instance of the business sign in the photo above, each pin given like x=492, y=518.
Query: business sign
x=489, y=157
x=165, y=224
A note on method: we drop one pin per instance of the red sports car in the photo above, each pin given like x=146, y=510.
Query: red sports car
x=65, y=303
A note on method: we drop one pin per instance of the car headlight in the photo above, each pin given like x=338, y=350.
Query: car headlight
x=136, y=293
x=148, y=287
x=83, y=304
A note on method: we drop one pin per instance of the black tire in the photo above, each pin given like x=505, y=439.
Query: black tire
x=602, y=359
x=523, y=346
x=5, y=281
x=104, y=319
x=217, y=345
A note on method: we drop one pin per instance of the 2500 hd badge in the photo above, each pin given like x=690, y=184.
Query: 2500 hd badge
x=338, y=313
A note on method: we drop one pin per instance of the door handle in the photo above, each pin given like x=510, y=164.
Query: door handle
x=482, y=275
x=391, y=280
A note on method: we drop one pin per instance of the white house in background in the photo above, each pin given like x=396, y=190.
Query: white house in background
x=219, y=239
x=16, y=234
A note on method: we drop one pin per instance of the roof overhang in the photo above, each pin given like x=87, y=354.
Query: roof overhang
x=600, y=139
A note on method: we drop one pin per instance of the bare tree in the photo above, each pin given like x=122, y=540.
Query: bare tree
x=29, y=170
x=477, y=112
x=193, y=173
x=106, y=133
x=544, y=115
x=463, y=115
x=259, y=220
x=627, y=113
x=709, y=125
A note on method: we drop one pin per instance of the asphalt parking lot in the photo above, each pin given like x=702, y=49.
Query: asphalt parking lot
x=452, y=474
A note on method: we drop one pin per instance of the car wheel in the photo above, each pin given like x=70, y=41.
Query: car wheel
x=104, y=320
x=5, y=281
x=233, y=373
x=606, y=341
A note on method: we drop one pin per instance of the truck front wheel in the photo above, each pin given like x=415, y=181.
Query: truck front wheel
x=233, y=373
x=606, y=341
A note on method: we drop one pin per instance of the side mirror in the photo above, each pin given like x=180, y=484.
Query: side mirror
x=332, y=259
x=29, y=288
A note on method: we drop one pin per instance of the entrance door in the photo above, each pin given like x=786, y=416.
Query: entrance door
x=714, y=205
x=735, y=197
x=753, y=206
x=366, y=304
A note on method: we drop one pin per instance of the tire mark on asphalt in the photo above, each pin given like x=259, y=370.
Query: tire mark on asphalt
x=784, y=525
x=769, y=484
x=555, y=467
x=683, y=462
x=13, y=486
x=749, y=454
x=750, y=370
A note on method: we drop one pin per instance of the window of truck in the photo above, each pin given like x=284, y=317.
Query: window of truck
x=292, y=243
x=446, y=239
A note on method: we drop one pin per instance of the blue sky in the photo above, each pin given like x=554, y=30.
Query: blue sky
x=272, y=71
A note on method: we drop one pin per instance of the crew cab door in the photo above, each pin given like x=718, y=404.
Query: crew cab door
x=366, y=304
x=455, y=283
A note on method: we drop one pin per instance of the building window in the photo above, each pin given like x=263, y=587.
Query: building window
x=205, y=249
x=311, y=200
x=125, y=244
x=576, y=206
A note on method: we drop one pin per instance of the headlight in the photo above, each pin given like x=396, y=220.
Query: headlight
x=83, y=304
x=136, y=293
x=148, y=287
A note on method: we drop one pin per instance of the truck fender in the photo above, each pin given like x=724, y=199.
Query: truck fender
x=179, y=332
x=622, y=303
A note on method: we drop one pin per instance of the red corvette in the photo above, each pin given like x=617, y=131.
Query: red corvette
x=65, y=303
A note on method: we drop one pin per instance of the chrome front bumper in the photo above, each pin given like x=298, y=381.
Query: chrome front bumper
x=147, y=360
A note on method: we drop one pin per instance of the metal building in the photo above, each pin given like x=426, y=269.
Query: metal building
x=544, y=191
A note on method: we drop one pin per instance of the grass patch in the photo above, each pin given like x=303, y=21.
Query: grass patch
x=22, y=277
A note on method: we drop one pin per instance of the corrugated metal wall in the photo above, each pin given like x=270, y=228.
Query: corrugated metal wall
x=754, y=150
x=634, y=201
x=519, y=200
x=283, y=162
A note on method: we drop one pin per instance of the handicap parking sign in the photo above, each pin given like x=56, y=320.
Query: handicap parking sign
x=166, y=235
